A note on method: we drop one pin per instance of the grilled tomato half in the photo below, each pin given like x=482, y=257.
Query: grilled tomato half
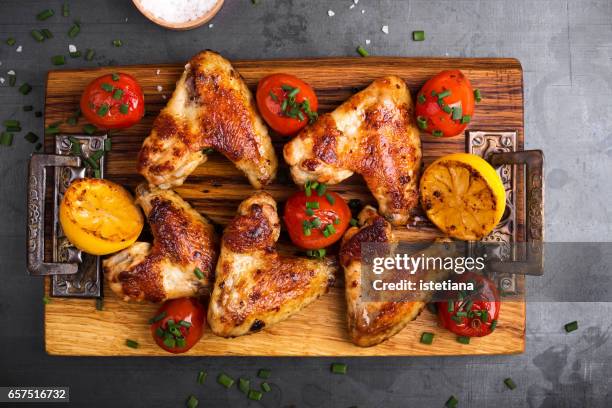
x=99, y=217
x=286, y=103
x=178, y=324
x=316, y=218
x=445, y=104
x=113, y=101
x=463, y=195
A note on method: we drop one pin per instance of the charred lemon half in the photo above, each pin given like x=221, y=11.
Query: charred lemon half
x=463, y=195
x=99, y=217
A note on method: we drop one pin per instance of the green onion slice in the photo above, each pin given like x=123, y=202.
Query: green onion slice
x=131, y=343
x=339, y=368
x=225, y=380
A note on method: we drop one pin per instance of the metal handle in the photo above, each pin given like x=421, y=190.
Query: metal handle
x=36, y=215
x=533, y=160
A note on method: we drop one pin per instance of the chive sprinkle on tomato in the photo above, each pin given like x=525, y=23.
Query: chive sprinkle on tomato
x=316, y=218
x=178, y=324
x=445, y=104
x=471, y=313
x=286, y=103
x=113, y=101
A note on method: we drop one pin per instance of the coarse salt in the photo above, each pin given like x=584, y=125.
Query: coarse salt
x=385, y=29
x=331, y=13
x=352, y=6
x=159, y=88
x=178, y=11
x=72, y=48
x=19, y=48
x=368, y=42
x=2, y=80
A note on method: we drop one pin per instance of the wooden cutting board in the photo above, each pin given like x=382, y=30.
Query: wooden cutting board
x=75, y=327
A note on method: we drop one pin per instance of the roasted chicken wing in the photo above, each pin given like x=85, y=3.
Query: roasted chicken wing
x=183, y=242
x=211, y=108
x=373, y=134
x=256, y=287
x=370, y=323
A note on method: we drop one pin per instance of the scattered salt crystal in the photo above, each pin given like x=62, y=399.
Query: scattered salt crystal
x=178, y=11
x=356, y=1
x=72, y=48
x=159, y=88
x=211, y=25
x=19, y=48
x=352, y=6
x=331, y=13
x=157, y=72
x=11, y=72
x=368, y=41
x=362, y=11
x=2, y=80
x=385, y=29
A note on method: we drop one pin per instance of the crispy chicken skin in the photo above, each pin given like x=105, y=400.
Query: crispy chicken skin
x=255, y=287
x=211, y=108
x=370, y=323
x=373, y=134
x=183, y=241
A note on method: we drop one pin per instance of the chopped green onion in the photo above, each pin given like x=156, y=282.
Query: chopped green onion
x=444, y=94
x=466, y=119
x=103, y=109
x=28, y=108
x=273, y=96
x=477, y=95
x=117, y=43
x=510, y=383
x=107, y=87
x=293, y=93
x=316, y=253
x=461, y=314
x=25, y=88
x=37, y=35
x=309, y=212
x=208, y=150
x=72, y=120
x=198, y=273
x=6, y=139
x=89, y=55
x=225, y=380
x=12, y=79
x=339, y=368
x=108, y=144
x=331, y=229
x=422, y=99
x=312, y=204
x=131, y=343
x=13, y=128
x=321, y=189
x=255, y=395
x=437, y=133
x=11, y=123
x=45, y=14
x=457, y=113
x=170, y=342
x=185, y=323
x=337, y=221
x=202, y=377
x=422, y=122
x=244, y=385
x=159, y=332
x=158, y=317
x=571, y=326
x=10, y=41
x=427, y=338
x=52, y=130
x=284, y=105
x=192, y=402
x=65, y=9
x=493, y=324
x=264, y=373
x=46, y=33
x=58, y=60
x=446, y=108
x=451, y=306
x=316, y=222
x=330, y=198
x=74, y=30
x=451, y=402
x=46, y=300
x=31, y=137
x=362, y=51
x=353, y=222
x=100, y=304
x=307, y=231
x=89, y=129
x=484, y=316
x=418, y=35
x=463, y=339
x=124, y=108
x=266, y=387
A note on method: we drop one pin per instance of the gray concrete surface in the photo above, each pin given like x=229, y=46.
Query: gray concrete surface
x=565, y=47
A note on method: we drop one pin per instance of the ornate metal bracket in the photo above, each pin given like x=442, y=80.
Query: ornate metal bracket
x=75, y=274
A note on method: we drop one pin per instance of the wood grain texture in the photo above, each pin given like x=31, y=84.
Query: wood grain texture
x=75, y=327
